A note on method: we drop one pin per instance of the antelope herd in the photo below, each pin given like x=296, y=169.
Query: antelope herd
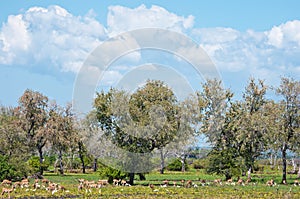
x=88, y=186
x=24, y=185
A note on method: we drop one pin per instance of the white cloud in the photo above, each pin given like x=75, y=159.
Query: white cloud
x=49, y=36
x=122, y=19
x=268, y=55
x=14, y=38
x=286, y=35
x=52, y=37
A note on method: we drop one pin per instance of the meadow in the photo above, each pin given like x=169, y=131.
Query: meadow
x=202, y=186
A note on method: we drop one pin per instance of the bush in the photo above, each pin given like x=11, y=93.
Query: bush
x=176, y=165
x=8, y=170
x=110, y=173
x=200, y=164
x=34, y=163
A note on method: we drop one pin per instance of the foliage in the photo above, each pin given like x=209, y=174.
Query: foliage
x=111, y=173
x=33, y=117
x=35, y=165
x=138, y=123
x=200, y=163
x=224, y=162
x=7, y=170
x=176, y=165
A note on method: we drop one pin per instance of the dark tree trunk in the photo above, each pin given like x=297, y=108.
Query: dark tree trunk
x=61, y=167
x=95, y=165
x=131, y=178
x=162, y=162
x=284, y=148
x=227, y=176
x=142, y=176
x=41, y=161
x=80, y=148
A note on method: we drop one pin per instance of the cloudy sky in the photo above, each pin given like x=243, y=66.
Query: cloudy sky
x=43, y=44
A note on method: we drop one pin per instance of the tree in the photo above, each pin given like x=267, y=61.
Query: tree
x=214, y=102
x=13, y=150
x=220, y=126
x=33, y=116
x=252, y=129
x=61, y=130
x=138, y=123
x=225, y=158
x=287, y=135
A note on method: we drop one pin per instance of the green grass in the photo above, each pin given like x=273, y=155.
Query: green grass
x=256, y=189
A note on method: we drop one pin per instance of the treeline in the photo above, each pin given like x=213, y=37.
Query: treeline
x=153, y=122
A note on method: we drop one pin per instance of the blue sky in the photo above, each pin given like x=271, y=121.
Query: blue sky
x=43, y=44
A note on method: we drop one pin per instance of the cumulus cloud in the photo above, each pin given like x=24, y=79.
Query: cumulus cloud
x=55, y=39
x=122, y=19
x=286, y=35
x=267, y=54
x=49, y=36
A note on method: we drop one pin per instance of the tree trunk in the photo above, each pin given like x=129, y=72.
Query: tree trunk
x=41, y=161
x=249, y=173
x=298, y=172
x=80, y=148
x=284, y=148
x=182, y=160
x=95, y=165
x=131, y=178
x=294, y=165
x=162, y=162
x=61, y=167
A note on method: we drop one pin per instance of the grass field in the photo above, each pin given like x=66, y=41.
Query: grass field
x=257, y=188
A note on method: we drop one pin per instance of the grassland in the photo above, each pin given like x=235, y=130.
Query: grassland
x=257, y=188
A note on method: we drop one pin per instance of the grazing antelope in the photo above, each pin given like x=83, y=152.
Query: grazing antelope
x=182, y=182
x=166, y=182
x=45, y=181
x=240, y=182
x=52, y=188
x=248, y=180
x=80, y=187
x=17, y=184
x=116, y=182
x=7, y=190
x=218, y=181
x=188, y=184
x=24, y=183
x=6, y=182
x=174, y=183
x=102, y=182
x=151, y=186
x=270, y=183
x=296, y=182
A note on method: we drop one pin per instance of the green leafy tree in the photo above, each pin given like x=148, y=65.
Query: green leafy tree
x=251, y=128
x=225, y=158
x=214, y=102
x=138, y=123
x=220, y=126
x=287, y=120
x=13, y=149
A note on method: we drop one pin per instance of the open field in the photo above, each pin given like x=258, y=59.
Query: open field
x=257, y=188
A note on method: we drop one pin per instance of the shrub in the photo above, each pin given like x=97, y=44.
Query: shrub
x=110, y=173
x=8, y=170
x=200, y=164
x=176, y=165
x=34, y=163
